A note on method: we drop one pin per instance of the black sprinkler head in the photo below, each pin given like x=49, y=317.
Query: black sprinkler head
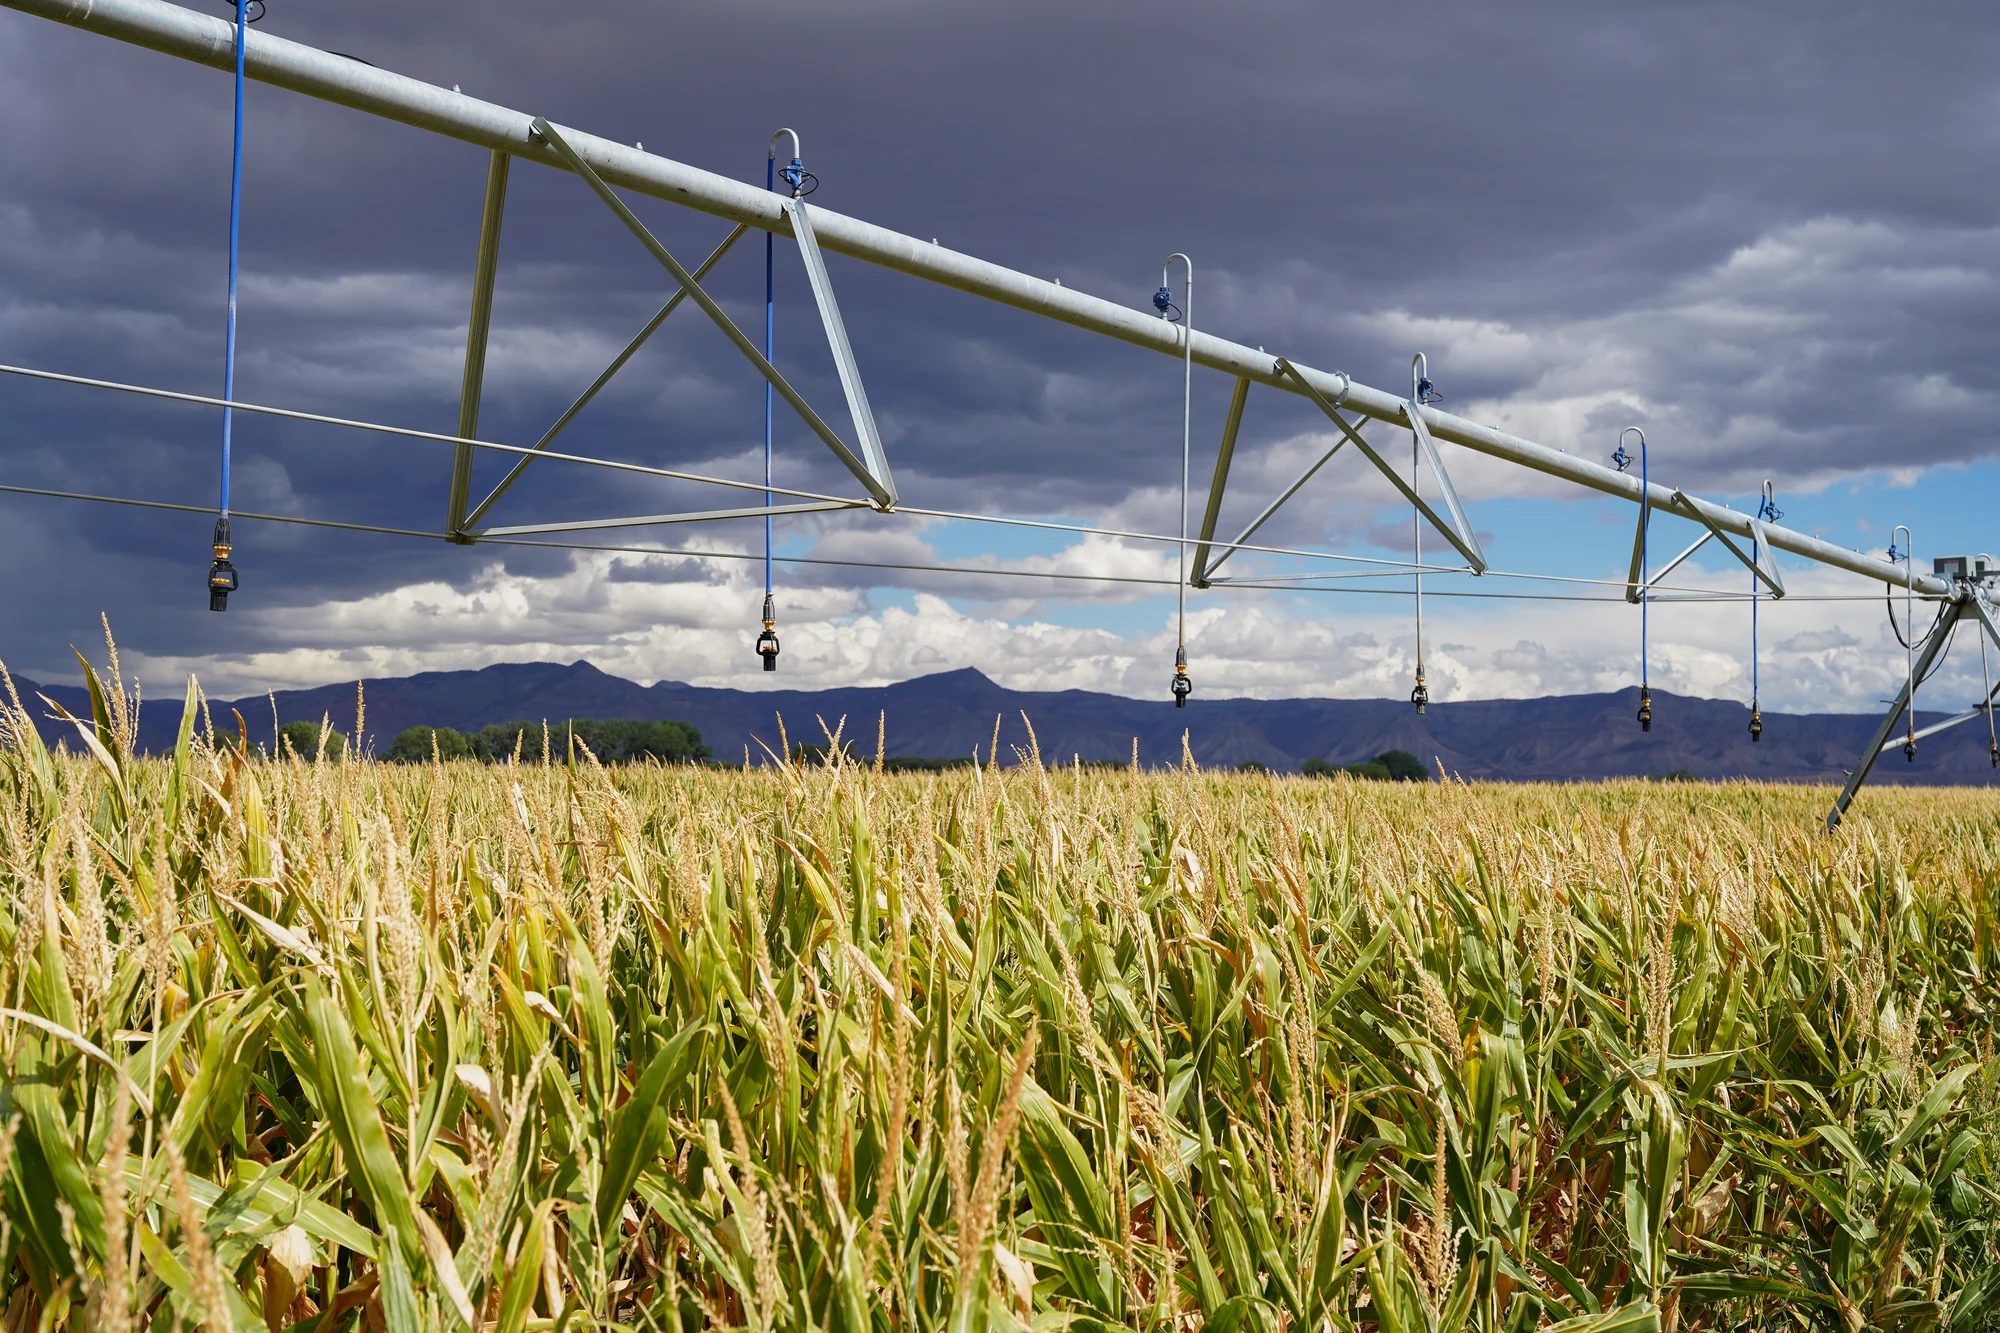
x=1756, y=725
x=221, y=574
x=767, y=642
x=1420, y=696
x=1645, y=709
x=1182, y=686
x=1910, y=750
x=1994, y=749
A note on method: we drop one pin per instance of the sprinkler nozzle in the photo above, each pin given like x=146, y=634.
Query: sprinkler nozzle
x=1910, y=750
x=1994, y=749
x=1756, y=724
x=1420, y=696
x=221, y=574
x=1645, y=709
x=1182, y=686
x=767, y=642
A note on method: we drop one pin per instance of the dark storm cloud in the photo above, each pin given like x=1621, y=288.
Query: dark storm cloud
x=1764, y=230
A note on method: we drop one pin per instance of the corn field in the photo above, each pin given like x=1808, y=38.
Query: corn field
x=318, y=1043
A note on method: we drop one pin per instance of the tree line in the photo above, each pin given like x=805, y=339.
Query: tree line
x=1389, y=766
x=611, y=741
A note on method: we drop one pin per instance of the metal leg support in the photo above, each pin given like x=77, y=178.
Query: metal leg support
x=1223, y=458
x=1862, y=766
x=476, y=330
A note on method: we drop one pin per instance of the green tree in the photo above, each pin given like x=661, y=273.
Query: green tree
x=907, y=763
x=1370, y=769
x=612, y=742
x=303, y=739
x=1252, y=766
x=1316, y=767
x=413, y=745
x=1403, y=766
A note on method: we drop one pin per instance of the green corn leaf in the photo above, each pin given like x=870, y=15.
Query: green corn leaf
x=350, y=1110
x=639, y=1130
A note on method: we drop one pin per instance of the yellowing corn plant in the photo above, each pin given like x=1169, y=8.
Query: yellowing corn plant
x=316, y=1043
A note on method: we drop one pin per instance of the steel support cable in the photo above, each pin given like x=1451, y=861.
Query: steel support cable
x=1136, y=579
x=411, y=432
x=641, y=469
x=209, y=509
x=1399, y=566
x=1275, y=583
x=1701, y=598
x=674, y=474
x=914, y=567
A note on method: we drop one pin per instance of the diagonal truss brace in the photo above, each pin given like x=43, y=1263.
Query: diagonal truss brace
x=1457, y=531
x=1202, y=568
x=597, y=386
x=843, y=353
x=879, y=487
x=1760, y=561
x=1465, y=540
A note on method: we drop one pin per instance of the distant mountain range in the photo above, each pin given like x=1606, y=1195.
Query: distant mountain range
x=950, y=714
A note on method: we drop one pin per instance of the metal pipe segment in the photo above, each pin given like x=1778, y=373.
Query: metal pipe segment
x=209, y=40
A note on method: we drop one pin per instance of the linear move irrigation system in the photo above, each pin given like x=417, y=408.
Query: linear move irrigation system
x=1960, y=589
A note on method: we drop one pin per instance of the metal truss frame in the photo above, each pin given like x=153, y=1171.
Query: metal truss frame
x=1759, y=561
x=1457, y=529
x=869, y=466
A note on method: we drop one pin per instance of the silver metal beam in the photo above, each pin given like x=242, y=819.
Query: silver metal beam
x=477, y=326
x=649, y=520
x=209, y=40
x=1224, y=457
x=617, y=364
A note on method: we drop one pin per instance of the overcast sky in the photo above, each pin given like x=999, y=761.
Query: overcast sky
x=1765, y=233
